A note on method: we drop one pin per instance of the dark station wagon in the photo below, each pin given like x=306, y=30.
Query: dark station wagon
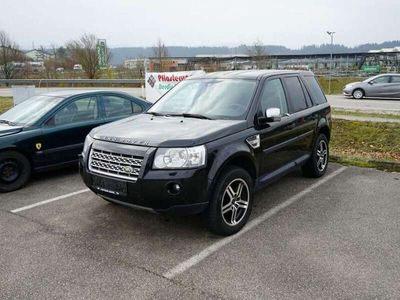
x=49, y=130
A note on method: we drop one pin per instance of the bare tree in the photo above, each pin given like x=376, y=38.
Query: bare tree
x=160, y=51
x=9, y=54
x=84, y=52
x=259, y=54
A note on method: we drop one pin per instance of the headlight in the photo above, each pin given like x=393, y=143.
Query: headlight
x=88, y=142
x=180, y=158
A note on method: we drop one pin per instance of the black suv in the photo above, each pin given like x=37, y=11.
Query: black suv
x=205, y=146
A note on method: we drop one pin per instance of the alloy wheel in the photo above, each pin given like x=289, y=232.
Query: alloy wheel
x=322, y=155
x=235, y=202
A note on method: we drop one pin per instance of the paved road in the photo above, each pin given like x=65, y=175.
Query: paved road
x=339, y=239
x=337, y=101
x=370, y=105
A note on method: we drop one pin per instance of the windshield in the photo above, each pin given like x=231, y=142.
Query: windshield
x=31, y=110
x=211, y=98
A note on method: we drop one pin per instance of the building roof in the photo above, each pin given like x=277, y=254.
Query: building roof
x=251, y=74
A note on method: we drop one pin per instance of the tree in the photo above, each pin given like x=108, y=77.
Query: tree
x=9, y=55
x=84, y=52
x=258, y=52
x=160, y=51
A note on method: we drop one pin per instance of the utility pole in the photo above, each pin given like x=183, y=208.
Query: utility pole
x=331, y=34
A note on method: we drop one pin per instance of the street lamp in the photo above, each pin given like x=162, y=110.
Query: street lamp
x=331, y=34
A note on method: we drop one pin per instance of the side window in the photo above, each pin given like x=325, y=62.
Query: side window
x=316, y=92
x=273, y=95
x=115, y=106
x=395, y=79
x=383, y=79
x=295, y=94
x=84, y=109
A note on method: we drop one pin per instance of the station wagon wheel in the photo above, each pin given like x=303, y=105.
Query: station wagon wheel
x=235, y=202
x=358, y=94
x=15, y=171
x=231, y=201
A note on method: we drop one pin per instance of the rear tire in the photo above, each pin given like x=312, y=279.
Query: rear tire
x=358, y=94
x=318, y=162
x=231, y=202
x=15, y=171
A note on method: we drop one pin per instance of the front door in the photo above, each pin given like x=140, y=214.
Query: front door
x=379, y=87
x=275, y=138
x=65, y=132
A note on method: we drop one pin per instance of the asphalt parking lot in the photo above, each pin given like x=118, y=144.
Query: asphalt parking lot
x=335, y=237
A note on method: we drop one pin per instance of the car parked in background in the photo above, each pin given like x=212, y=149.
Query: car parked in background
x=384, y=86
x=209, y=143
x=49, y=130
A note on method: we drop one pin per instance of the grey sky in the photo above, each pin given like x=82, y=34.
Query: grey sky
x=204, y=22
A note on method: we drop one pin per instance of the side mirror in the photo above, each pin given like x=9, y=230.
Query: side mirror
x=371, y=82
x=273, y=114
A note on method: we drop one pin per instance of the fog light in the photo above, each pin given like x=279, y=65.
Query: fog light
x=174, y=188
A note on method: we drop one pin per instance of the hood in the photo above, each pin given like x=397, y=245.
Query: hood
x=353, y=83
x=160, y=131
x=7, y=129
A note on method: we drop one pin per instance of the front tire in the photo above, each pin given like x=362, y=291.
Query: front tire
x=15, y=171
x=318, y=162
x=358, y=94
x=231, y=202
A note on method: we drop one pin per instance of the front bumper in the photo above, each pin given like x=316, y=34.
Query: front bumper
x=347, y=92
x=151, y=190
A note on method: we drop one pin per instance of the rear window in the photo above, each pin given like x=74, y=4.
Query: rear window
x=316, y=92
x=296, y=94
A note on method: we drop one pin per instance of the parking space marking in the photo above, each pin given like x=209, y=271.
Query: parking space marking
x=49, y=200
x=197, y=258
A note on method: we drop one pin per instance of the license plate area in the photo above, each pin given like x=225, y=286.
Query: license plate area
x=110, y=186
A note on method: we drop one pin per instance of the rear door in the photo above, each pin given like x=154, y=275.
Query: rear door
x=64, y=133
x=395, y=86
x=304, y=119
x=116, y=107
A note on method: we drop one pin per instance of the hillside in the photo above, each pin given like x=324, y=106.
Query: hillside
x=120, y=54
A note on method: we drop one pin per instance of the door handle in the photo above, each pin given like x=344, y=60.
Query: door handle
x=290, y=126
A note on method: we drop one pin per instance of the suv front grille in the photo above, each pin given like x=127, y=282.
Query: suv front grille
x=115, y=164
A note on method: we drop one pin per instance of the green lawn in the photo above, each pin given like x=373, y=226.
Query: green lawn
x=357, y=113
x=5, y=103
x=366, y=143
x=337, y=83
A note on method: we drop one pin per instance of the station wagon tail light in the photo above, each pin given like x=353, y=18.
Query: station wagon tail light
x=180, y=158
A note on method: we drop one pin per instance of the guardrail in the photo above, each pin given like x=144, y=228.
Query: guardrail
x=71, y=82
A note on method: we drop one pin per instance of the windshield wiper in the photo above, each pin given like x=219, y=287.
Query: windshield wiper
x=188, y=115
x=155, y=113
x=8, y=123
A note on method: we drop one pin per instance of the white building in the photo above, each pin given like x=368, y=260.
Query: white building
x=38, y=55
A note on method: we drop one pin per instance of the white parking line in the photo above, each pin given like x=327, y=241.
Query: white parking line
x=194, y=260
x=49, y=200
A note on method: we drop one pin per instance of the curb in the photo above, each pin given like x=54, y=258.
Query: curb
x=388, y=166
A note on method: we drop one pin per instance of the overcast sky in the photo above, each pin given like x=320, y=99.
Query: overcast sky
x=204, y=22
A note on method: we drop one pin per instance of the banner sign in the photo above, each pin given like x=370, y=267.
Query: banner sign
x=157, y=84
x=101, y=48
